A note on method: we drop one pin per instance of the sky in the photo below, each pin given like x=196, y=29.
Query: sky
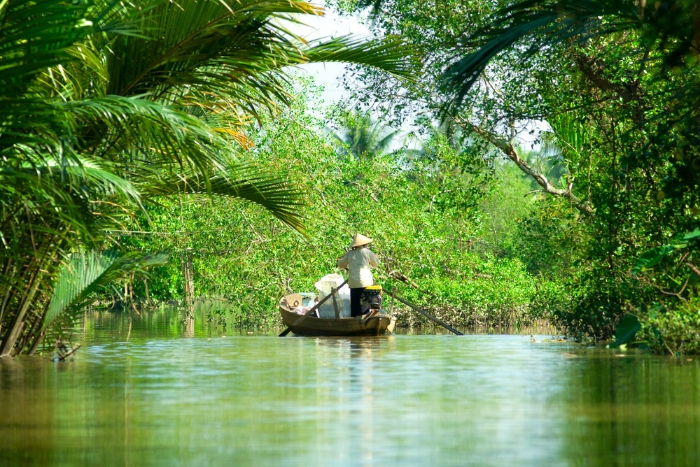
x=329, y=75
x=329, y=25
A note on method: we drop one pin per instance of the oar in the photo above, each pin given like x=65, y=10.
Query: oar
x=314, y=308
x=432, y=318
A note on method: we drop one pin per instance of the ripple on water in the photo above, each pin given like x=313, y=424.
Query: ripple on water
x=398, y=400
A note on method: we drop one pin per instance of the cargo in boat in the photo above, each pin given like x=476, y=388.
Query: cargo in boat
x=373, y=323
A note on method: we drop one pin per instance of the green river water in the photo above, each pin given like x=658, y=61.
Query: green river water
x=165, y=399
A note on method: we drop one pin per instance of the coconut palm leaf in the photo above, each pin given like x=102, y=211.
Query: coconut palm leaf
x=234, y=49
x=571, y=135
x=207, y=43
x=35, y=35
x=277, y=195
x=83, y=174
x=76, y=78
x=544, y=23
x=76, y=193
x=131, y=129
x=362, y=137
x=391, y=55
x=37, y=39
x=86, y=272
x=129, y=132
x=667, y=27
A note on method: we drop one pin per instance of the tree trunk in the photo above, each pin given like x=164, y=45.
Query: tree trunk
x=148, y=296
x=188, y=291
x=15, y=329
x=188, y=281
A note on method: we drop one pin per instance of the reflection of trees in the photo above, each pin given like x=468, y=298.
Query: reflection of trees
x=632, y=411
x=354, y=409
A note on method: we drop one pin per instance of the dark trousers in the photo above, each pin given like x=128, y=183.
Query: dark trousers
x=355, y=296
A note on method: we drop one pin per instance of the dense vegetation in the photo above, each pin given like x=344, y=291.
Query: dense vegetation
x=425, y=225
x=613, y=87
x=554, y=172
x=107, y=105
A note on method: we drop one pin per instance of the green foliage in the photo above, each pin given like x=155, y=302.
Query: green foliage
x=87, y=272
x=509, y=202
x=107, y=106
x=484, y=291
x=113, y=115
x=617, y=84
x=362, y=137
x=626, y=329
x=651, y=258
x=547, y=239
x=423, y=219
x=676, y=330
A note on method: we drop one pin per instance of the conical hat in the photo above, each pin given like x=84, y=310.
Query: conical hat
x=359, y=240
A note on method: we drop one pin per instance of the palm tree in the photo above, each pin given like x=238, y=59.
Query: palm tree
x=667, y=28
x=661, y=42
x=362, y=138
x=106, y=107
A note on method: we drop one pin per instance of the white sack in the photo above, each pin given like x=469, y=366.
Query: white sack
x=342, y=297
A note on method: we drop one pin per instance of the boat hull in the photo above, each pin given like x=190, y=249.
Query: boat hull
x=375, y=324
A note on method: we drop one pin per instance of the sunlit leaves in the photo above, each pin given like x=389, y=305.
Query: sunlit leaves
x=105, y=104
x=85, y=272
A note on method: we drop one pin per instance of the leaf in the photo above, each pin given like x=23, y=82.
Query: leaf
x=545, y=23
x=390, y=55
x=691, y=235
x=626, y=329
x=651, y=257
x=85, y=272
x=282, y=198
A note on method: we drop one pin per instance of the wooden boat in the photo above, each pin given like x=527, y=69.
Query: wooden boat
x=375, y=323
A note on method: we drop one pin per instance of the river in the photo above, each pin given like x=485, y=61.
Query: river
x=239, y=399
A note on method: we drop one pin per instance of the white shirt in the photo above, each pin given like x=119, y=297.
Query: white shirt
x=358, y=262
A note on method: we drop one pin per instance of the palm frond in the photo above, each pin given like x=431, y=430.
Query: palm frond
x=278, y=196
x=63, y=195
x=35, y=35
x=544, y=22
x=44, y=46
x=236, y=50
x=206, y=41
x=361, y=136
x=81, y=77
x=160, y=134
x=86, y=272
x=29, y=121
x=390, y=55
x=77, y=173
x=571, y=135
x=384, y=143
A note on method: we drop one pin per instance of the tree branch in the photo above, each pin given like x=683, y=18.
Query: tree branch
x=693, y=268
x=507, y=147
x=593, y=68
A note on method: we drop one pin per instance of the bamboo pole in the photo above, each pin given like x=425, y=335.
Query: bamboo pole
x=430, y=317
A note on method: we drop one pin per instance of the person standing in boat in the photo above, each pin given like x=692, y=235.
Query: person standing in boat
x=358, y=261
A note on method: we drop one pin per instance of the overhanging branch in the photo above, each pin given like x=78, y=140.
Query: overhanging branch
x=507, y=147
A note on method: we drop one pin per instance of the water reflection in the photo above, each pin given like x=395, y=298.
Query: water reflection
x=633, y=410
x=161, y=400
